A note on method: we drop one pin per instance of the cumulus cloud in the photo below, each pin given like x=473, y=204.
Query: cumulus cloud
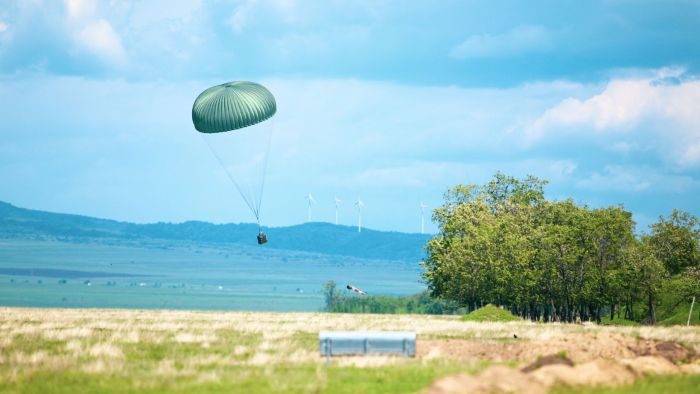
x=94, y=33
x=99, y=38
x=349, y=137
x=669, y=112
x=105, y=145
x=520, y=39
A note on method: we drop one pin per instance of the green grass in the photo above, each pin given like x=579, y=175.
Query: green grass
x=680, y=315
x=651, y=385
x=490, y=313
x=86, y=351
x=194, y=352
x=304, y=378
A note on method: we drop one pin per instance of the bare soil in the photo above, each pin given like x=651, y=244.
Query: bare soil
x=577, y=347
x=586, y=359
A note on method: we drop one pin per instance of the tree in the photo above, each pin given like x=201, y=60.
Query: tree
x=483, y=253
x=504, y=243
x=649, y=275
x=330, y=294
x=676, y=241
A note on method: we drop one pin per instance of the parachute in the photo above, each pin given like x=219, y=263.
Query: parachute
x=232, y=106
x=231, y=118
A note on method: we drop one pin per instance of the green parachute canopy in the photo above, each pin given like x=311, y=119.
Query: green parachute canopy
x=232, y=106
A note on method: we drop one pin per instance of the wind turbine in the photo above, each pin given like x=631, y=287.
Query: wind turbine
x=422, y=217
x=311, y=200
x=337, y=203
x=359, y=204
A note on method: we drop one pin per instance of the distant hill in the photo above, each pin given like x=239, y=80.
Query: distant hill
x=323, y=238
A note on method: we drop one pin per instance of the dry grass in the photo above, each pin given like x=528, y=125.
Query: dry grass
x=205, y=346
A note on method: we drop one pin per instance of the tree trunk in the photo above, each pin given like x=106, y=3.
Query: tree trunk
x=652, y=310
x=612, y=311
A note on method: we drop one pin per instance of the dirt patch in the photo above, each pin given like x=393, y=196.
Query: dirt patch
x=501, y=379
x=579, y=348
x=588, y=359
x=671, y=351
x=651, y=365
x=496, y=379
x=593, y=373
x=552, y=359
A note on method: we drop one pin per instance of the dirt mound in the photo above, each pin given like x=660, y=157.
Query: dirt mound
x=496, y=379
x=593, y=373
x=579, y=348
x=671, y=351
x=650, y=365
x=501, y=379
x=552, y=359
x=594, y=359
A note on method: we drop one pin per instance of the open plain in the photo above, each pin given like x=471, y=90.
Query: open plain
x=112, y=350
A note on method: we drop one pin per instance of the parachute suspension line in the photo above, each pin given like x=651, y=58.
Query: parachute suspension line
x=264, y=167
x=250, y=203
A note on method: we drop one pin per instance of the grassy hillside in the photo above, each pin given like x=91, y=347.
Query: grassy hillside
x=679, y=315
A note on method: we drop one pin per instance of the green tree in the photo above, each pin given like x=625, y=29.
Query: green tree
x=504, y=243
x=330, y=294
x=676, y=241
x=649, y=276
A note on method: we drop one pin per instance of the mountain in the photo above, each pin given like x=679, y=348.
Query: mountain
x=323, y=238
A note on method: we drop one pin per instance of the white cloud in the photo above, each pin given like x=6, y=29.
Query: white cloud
x=632, y=107
x=100, y=38
x=105, y=147
x=3, y=26
x=521, y=39
x=80, y=9
x=240, y=17
x=637, y=179
x=93, y=32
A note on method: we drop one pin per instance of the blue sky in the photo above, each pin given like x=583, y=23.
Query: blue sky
x=389, y=101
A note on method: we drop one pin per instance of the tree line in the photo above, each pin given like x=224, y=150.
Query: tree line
x=503, y=243
x=421, y=303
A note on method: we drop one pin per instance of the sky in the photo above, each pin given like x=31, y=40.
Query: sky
x=390, y=102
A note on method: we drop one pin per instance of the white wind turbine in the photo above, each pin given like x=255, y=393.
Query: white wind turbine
x=359, y=204
x=337, y=203
x=422, y=217
x=311, y=200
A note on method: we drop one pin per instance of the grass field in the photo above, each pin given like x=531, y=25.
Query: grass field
x=96, y=350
